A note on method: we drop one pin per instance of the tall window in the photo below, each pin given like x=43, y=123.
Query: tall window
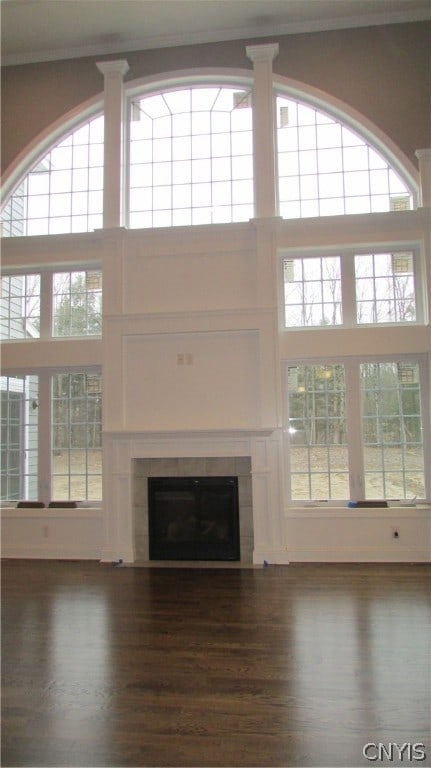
x=64, y=190
x=62, y=413
x=191, y=158
x=76, y=436
x=19, y=437
x=375, y=441
x=326, y=169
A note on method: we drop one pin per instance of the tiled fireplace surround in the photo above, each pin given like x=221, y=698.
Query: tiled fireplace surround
x=194, y=466
x=250, y=455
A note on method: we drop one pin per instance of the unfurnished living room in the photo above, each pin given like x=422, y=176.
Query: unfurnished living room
x=215, y=383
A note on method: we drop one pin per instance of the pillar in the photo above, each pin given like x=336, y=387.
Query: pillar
x=114, y=109
x=265, y=177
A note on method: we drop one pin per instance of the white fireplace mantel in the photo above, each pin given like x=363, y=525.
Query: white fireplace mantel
x=260, y=443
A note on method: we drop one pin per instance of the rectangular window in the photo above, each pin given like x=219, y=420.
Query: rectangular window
x=385, y=288
x=352, y=289
x=369, y=431
x=20, y=307
x=312, y=291
x=76, y=436
x=392, y=431
x=77, y=303
x=318, y=432
x=51, y=304
x=19, y=437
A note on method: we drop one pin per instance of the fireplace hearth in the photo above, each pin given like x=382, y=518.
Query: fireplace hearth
x=193, y=518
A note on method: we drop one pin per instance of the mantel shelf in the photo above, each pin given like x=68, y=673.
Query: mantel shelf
x=189, y=434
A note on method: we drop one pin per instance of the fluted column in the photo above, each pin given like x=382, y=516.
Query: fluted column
x=265, y=179
x=114, y=108
x=424, y=157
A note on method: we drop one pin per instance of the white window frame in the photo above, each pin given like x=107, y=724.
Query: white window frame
x=354, y=423
x=348, y=283
x=45, y=427
x=46, y=299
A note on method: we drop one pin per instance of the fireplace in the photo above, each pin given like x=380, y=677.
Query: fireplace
x=193, y=518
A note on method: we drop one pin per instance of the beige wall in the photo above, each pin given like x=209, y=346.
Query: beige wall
x=382, y=72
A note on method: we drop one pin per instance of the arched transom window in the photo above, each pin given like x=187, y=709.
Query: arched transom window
x=190, y=161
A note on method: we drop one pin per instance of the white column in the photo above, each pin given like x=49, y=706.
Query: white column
x=265, y=179
x=424, y=157
x=114, y=108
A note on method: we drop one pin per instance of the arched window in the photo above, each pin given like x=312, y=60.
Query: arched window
x=191, y=159
x=327, y=169
x=63, y=192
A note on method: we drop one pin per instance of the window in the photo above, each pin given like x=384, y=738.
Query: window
x=77, y=303
x=191, y=158
x=19, y=437
x=64, y=190
x=392, y=430
x=385, y=288
x=51, y=436
x=326, y=169
x=366, y=447
x=318, y=432
x=76, y=436
x=20, y=306
x=72, y=304
x=352, y=289
x=312, y=291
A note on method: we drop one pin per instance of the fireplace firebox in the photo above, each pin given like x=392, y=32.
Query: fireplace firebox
x=193, y=518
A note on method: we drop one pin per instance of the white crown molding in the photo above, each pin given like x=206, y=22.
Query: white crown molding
x=212, y=36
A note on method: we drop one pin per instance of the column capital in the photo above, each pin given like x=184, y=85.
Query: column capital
x=116, y=67
x=265, y=52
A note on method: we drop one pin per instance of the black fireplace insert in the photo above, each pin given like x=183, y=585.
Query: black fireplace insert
x=193, y=518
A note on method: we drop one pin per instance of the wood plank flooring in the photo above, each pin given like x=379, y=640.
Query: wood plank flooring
x=297, y=665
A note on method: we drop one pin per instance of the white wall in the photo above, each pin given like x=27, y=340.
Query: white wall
x=193, y=342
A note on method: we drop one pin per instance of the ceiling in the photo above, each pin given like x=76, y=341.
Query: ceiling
x=43, y=30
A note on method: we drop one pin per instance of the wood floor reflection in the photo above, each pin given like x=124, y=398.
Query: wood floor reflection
x=298, y=665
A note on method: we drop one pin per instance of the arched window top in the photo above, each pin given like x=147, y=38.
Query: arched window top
x=63, y=191
x=191, y=157
x=327, y=168
x=190, y=161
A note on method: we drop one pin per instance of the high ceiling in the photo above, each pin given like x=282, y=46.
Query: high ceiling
x=42, y=30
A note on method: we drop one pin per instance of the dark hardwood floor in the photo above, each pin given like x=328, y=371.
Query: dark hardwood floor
x=298, y=665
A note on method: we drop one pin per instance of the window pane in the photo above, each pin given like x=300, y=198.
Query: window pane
x=41, y=203
x=20, y=307
x=385, y=288
x=318, y=432
x=77, y=303
x=335, y=170
x=202, y=138
x=392, y=431
x=76, y=436
x=312, y=291
x=19, y=432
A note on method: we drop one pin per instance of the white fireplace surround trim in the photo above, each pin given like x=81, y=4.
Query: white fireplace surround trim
x=261, y=444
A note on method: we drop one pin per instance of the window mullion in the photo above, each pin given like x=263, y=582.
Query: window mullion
x=348, y=291
x=44, y=436
x=46, y=305
x=354, y=431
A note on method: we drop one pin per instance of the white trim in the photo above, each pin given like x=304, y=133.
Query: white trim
x=319, y=99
